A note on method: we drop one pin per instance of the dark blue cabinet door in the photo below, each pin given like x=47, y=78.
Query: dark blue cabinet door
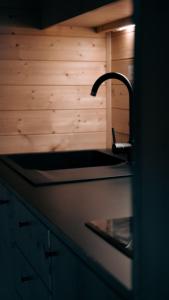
x=92, y=287
x=64, y=267
x=72, y=279
x=6, y=245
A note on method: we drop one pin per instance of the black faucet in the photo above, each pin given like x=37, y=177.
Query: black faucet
x=119, y=147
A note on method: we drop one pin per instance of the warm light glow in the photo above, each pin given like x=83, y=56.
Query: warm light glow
x=127, y=28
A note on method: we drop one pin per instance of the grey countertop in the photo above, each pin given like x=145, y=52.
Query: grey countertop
x=66, y=208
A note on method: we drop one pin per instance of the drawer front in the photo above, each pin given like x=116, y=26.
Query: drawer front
x=91, y=287
x=63, y=271
x=33, y=240
x=6, y=272
x=28, y=284
x=6, y=214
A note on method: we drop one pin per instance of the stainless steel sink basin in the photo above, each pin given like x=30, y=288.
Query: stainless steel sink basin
x=61, y=167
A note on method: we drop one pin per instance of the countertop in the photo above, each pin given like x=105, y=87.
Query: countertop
x=67, y=207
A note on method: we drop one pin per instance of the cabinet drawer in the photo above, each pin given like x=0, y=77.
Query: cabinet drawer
x=6, y=214
x=32, y=237
x=63, y=271
x=27, y=282
x=92, y=287
x=6, y=272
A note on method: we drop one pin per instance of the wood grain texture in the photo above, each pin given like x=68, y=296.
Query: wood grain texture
x=113, y=25
x=55, y=30
x=122, y=137
x=123, y=45
x=49, y=72
x=108, y=93
x=120, y=120
x=120, y=97
x=122, y=66
x=50, y=97
x=102, y=15
x=19, y=22
x=122, y=62
x=45, y=83
x=54, y=142
x=52, y=121
x=20, y=47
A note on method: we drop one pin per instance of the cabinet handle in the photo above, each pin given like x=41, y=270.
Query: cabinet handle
x=2, y=202
x=24, y=224
x=51, y=254
x=26, y=278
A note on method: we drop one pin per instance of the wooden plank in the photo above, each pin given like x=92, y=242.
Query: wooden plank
x=122, y=137
x=123, y=66
x=56, y=30
x=120, y=97
x=102, y=15
x=120, y=120
x=111, y=26
x=123, y=45
x=52, y=121
x=50, y=97
x=20, y=47
x=49, y=72
x=108, y=94
x=18, y=22
x=53, y=142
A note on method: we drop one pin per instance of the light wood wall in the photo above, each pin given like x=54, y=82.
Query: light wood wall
x=45, y=82
x=122, y=61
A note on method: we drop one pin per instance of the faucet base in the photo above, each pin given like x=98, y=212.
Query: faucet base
x=123, y=149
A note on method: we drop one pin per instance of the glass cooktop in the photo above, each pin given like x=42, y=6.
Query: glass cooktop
x=116, y=231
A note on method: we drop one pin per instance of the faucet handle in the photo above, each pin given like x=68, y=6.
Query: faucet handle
x=119, y=148
x=114, y=136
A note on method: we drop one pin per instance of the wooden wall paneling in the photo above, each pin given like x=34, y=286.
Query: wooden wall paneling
x=103, y=15
x=55, y=30
x=52, y=121
x=108, y=94
x=49, y=72
x=122, y=62
x=123, y=45
x=122, y=137
x=45, y=83
x=120, y=97
x=120, y=120
x=123, y=66
x=17, y=22
x=53, y=142
x=20, y=47
x=50, y=97
x=113, y=25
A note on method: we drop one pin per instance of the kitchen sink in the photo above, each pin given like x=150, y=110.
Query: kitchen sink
x=65, y=160
x=69, y=166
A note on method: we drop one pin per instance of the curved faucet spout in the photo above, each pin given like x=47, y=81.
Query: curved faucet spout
x=124, y=79
x=111, y=75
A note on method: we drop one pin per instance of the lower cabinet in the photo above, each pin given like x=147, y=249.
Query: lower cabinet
x=64, y=271
x=33, y=240
x=28, y=284
x=36, y=264
x=6, y=244
x=6, y=272
x=72, y=279
x=92, y=287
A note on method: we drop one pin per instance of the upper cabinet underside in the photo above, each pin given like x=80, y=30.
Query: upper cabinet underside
x=54, y=12
x=84, y=13
x=111, y=12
